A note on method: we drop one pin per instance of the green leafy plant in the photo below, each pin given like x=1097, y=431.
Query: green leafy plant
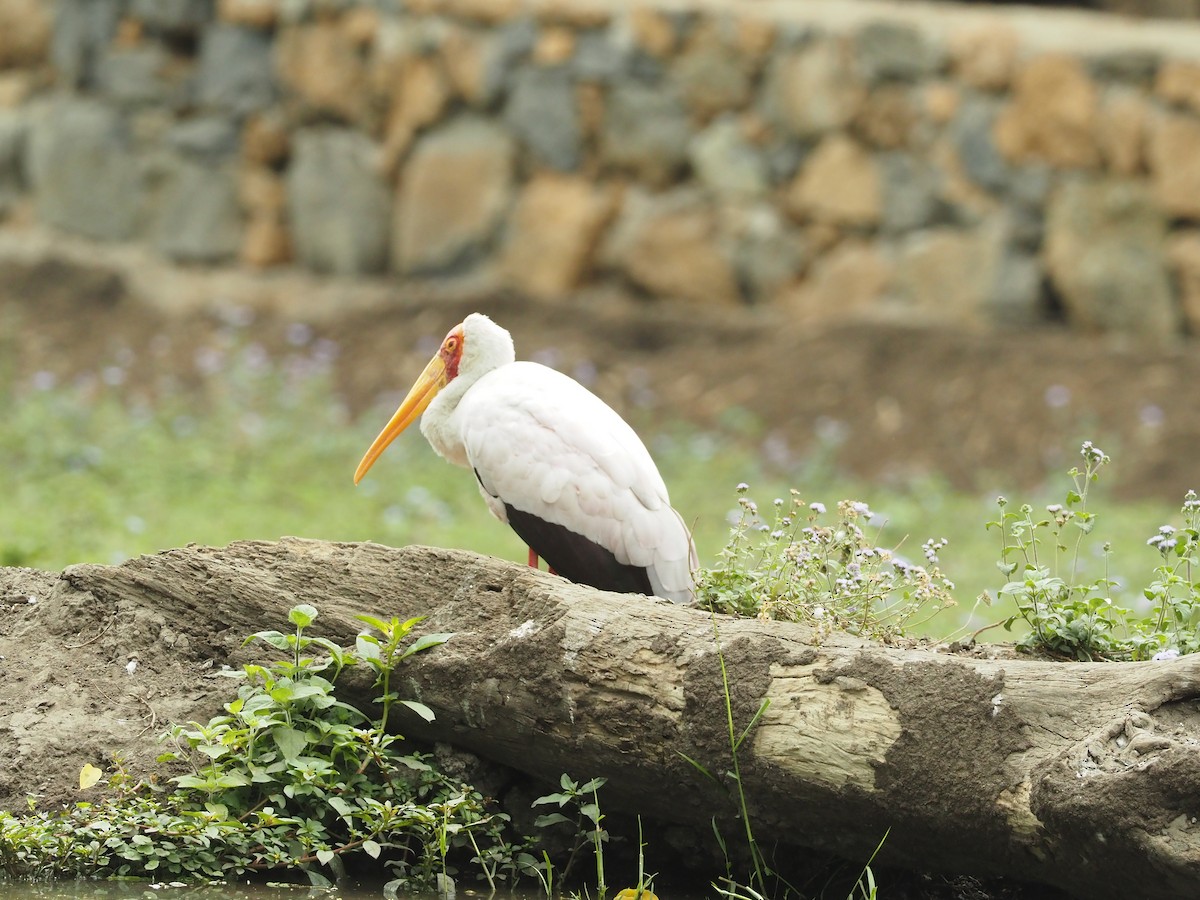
x=1175, y=592
x=288, y=777
x=1064, y=615
x=1070, y=615
x=584, y=800
x=803, y=565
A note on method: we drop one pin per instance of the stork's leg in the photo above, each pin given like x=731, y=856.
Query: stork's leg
x=533, y=562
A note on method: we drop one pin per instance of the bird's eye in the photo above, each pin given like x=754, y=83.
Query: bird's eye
x=451, y=344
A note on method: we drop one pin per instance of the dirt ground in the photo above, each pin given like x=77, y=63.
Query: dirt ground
x=979, y=408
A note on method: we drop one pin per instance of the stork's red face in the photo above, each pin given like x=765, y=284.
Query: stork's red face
x=442, y=369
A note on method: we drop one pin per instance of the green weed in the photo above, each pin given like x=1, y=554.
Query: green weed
x=1074, y=616
x=831, y=573
x=288, y=777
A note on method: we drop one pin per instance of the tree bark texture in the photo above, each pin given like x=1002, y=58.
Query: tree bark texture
x=1083, y=776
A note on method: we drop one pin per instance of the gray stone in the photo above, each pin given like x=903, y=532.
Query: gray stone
x=647, y=131
x=455, y=190
x=971, y=132
x=340, y=206
x=515, y=40
x=713, y=78
x=598, y=57
x=1137, y=67
x=14, y=129
x=911, y=189
x=768, y=254
x=1029, y=185
x=83, y=29
x=198, y=219
x=235, y=71
x=1028, y=227
x=1106, y=258
x=505, y=49
x=726, y=163
x=784, y=158
x=646, y=68
x=1016, y=295
x=294, y=12
x=82, y=168
x=173, y=16
x=891, y=51
x=134, y=76
x=210, y=138
x=541, y=112
x=812, y=89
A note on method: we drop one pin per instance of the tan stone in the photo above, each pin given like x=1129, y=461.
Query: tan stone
x=672, y=245
x=265, y=140
x=842, y=284
x=322, y=65
x=679, y=257
x=1183, y=256
x=947, y=274
x=454, y=190
x=1179, y=82
x=652, y=31
x=1121, y=130
x=573, y=14
x=265, y=242
x=262, y=14
x=1175, y=163
x=554, y=233
x=940, y=100
x=361, y=26
x=25, y=27
x=755, y=128
x=985, y=57
x=815, y=89
x=886, y=117
x=554, y=46
x=1052, y=115
x=464, y=63
x=838, y=184
x=129, y=34
x=589, y=101
x=15, y=88
x=261, y=192
x=754, y=37
x=487, y=12
x=957, y=188
x=419, y=101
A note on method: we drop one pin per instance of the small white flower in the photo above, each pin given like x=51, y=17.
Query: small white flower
x=818, y=508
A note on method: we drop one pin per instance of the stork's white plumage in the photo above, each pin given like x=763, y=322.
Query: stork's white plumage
x=552, y=460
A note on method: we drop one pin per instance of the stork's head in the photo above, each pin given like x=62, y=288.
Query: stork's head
x=472, y=348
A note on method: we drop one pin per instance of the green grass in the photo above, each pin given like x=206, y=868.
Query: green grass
x=264, y=451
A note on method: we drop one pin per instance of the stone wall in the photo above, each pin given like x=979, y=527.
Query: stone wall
x=832, y=158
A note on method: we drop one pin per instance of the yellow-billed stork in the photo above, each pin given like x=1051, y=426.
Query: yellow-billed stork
x=552, y=460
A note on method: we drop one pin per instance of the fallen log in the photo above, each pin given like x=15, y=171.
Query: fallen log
x=1082, y=776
